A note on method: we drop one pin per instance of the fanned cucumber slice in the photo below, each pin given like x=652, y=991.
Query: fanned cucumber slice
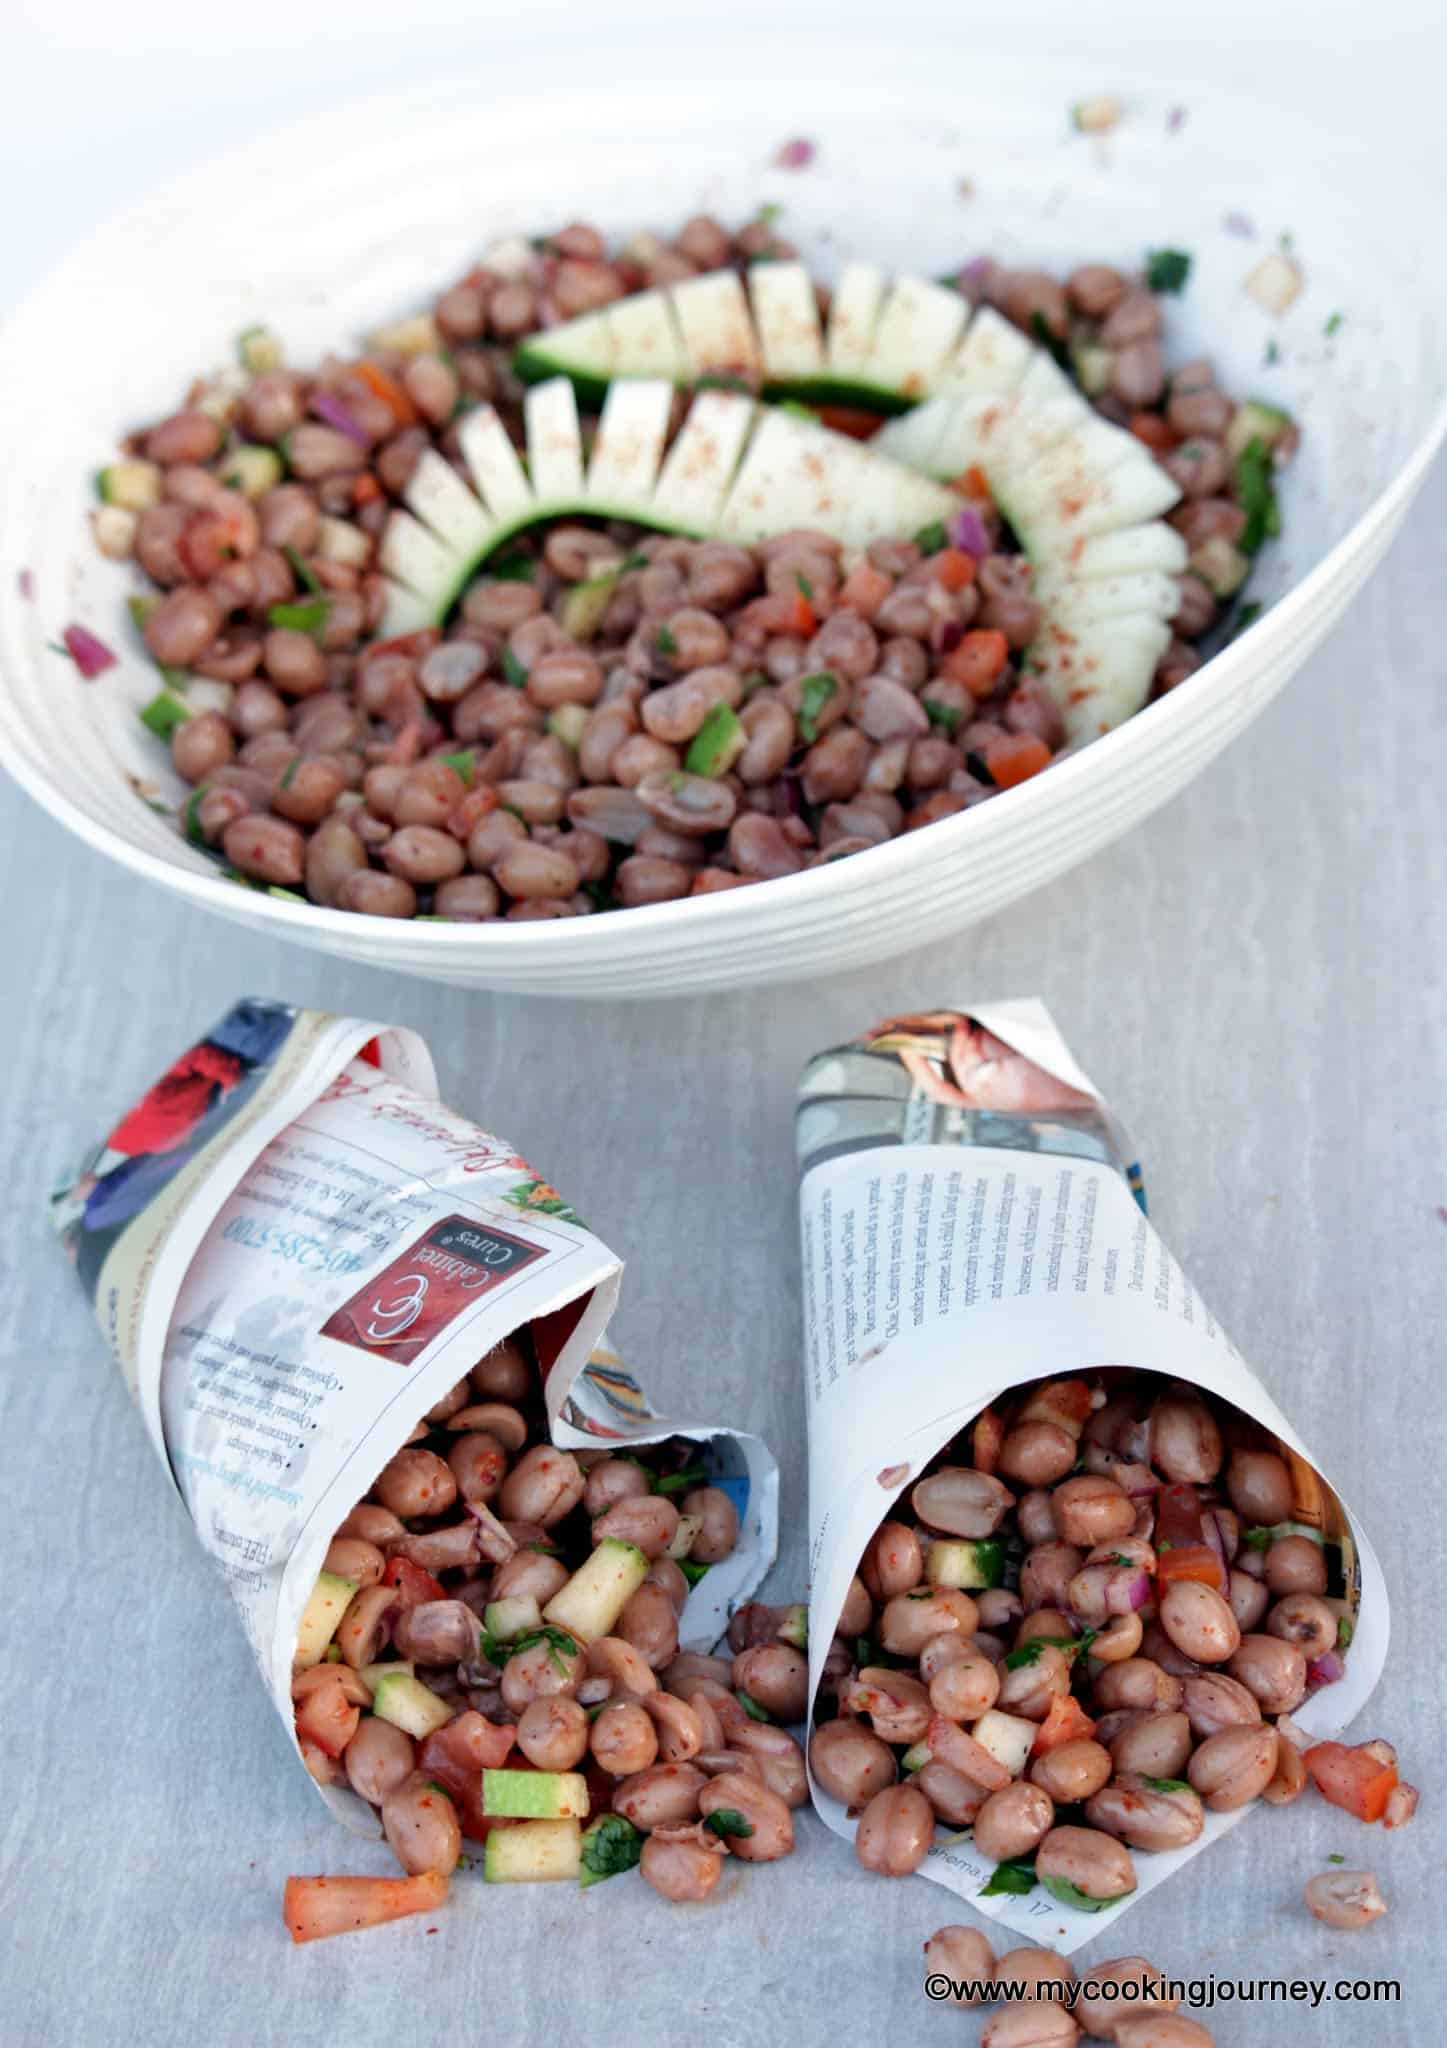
x=441, y=500
x=1146, y=595
x=947, y=436
x=1099, y=674
x=713, y=319
x=796, y=473
x=702, y=461
x=786, y=317
x=500, y=478
x=1043, y=380
x=405, y=611
x=416, y=557
x=555, y=440
x=735, y=469
x=994, y=356
x=581, y=349
x=853, y=319
x=644, y=334
x=919, y=325
x=628, y=447
x=1063, y=502
x=1129, y=550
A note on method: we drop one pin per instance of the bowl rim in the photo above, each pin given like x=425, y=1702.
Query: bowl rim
x=1081, y=768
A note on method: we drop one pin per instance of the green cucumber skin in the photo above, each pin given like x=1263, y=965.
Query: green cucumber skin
x=535, y=366
x=555, y=509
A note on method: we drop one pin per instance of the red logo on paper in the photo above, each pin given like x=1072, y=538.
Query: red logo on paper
x=400, y=1311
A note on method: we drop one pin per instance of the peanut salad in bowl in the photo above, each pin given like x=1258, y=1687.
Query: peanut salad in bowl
x=629, y=572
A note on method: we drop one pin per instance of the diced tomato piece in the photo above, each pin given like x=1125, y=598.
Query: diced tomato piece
x=1351, y=1779
x=365, y=488
x=314, y=1907
x=986, y=1442
x=953, y=567
x=414, y=1586
x=1189, y=1561
x=1067, y=1721
x=384, y=386
x=978, y=661
x=802, y=617
x=974, y=483
x=1016, y=759
x=327, y=1717
x=1150, y=428
x=852, y=420
x=864, y=589
x=469, y=1742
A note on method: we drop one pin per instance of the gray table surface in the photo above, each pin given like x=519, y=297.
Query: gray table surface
x=1256, y=978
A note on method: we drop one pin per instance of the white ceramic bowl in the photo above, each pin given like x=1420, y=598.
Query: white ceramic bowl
x=330, y=226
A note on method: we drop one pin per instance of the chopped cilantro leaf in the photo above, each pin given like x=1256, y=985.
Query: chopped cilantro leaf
x=1336, y=1859
x=301, y=618
x=752, y=1708
x=561, y=1646
x=515, y=567
x=664, y=641
x=1256, y=494
x=513, y=670
x=1258, y=1539
x=692, y=1570
x=288, y=774
x=611, y=1845
x=1071, y=1895
x=464, y=762
x=1168, y=1784
x=727, y=1820
x=304, y=573
x=163, y=714
x=803, y=585
x=1333, y=325
x=814, y=694
x=1273, y=351
x=946, y=715
x=1016, y=1876
x=1247, y=616
x=1167, y=269
x=930, y=539
x=679, y=1482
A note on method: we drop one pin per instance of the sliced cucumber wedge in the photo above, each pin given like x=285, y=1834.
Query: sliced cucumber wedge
x=920, y=325
x=629, y=446
x=1099, y=672
x=500, y=477
x=853, y=318
x=1147, y=592
x=702, y=462
x=1130, y=550
x=644, y=333
x=734, y=469
x=786, y=316
x=581, y=349
x=797, y=473
x=993, y=357
x=555, y=440
x=713, y=318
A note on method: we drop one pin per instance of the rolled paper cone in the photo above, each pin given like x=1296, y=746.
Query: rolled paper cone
x=972, y=1220
x=295, y=1250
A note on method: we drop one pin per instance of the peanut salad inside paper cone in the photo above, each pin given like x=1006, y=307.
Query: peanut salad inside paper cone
x=972, y=1228
x=297, y=1253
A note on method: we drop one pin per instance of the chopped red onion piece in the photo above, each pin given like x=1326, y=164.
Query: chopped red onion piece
x=25, y=582
x=1241, y=225
x=975, y=274
x=1175, y=120
x=796, y=155
x=1127, y=1594
x=496, y=1545
x=967, y=531
x=91, y=656
x=327, y=406
x=1211, y=1532
x=1326, y=1670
